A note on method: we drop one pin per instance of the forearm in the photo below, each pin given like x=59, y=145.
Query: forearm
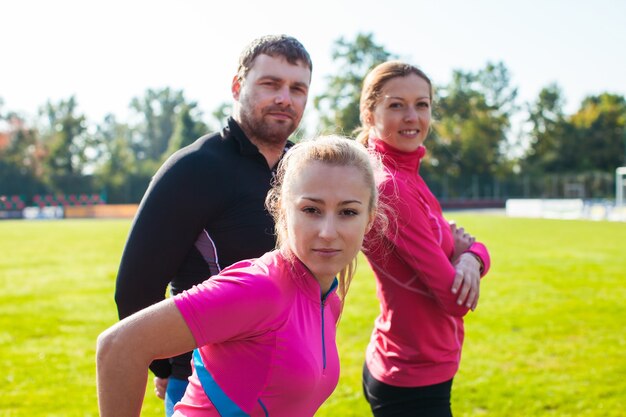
x=125, y=350
x=121, y=379
x=424, y=256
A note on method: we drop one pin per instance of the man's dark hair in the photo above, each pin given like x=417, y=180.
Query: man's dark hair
x=273, y=45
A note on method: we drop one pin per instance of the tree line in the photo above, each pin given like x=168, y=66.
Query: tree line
x=473, y=152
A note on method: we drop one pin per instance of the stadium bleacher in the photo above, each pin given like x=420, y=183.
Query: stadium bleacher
x=11, y=202
x=66, y=200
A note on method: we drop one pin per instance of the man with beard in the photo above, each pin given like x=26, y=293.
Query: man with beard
x=204, y=208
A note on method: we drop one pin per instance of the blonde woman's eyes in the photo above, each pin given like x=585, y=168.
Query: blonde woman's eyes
x=310, y=210
x=349, y=212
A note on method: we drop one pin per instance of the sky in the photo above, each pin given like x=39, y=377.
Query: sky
x=107, y=52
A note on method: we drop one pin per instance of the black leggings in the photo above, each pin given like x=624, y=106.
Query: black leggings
x=389, y=401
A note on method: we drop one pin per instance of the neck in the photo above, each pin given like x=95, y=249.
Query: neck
x=271, y=151
x=325, y=284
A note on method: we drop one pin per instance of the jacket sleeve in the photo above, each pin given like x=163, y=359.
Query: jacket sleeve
x=169, y=220
x=480, y=250
x=239, y=303
x=411, y=232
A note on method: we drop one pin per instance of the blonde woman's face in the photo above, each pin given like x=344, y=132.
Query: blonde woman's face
x=327, y=214
x=402, y=116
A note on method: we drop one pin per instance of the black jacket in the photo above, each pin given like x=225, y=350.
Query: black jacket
x=203, y=211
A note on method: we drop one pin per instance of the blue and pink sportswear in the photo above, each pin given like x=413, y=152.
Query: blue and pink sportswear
x=266, y=337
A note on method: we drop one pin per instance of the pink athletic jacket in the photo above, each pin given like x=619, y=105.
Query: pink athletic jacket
x=418, y=335
x=267, y=340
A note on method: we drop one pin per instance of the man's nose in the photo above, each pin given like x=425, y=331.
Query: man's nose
x=283, y=96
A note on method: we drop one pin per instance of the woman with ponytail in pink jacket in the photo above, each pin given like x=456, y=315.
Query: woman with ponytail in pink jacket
x=427, y=271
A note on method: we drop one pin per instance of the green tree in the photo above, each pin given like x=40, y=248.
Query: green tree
x=592, y=139
x=600, y=140
x=222, y=113
x=157, y=111
x=188, y=128
x=116, y=171
x=20, y=158
x=469, y=138
x=65, y=140
x=338, y=107
x=548, y=128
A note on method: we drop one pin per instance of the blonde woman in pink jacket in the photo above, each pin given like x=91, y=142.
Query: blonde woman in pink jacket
x=263, y=329
x=427, y=271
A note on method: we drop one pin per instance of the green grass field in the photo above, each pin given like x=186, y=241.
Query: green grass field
x=548, y=337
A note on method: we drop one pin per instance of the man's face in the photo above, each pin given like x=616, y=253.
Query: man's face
x=271, y=99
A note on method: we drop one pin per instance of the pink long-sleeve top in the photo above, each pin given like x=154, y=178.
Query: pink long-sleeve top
x=266, y=337
x=417, y=337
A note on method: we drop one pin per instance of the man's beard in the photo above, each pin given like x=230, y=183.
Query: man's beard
x=268, y=132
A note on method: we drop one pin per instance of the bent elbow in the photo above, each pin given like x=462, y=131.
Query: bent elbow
x=109, y=347
x=104, y=347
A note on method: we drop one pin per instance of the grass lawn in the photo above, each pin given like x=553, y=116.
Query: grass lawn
x=547, y=339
